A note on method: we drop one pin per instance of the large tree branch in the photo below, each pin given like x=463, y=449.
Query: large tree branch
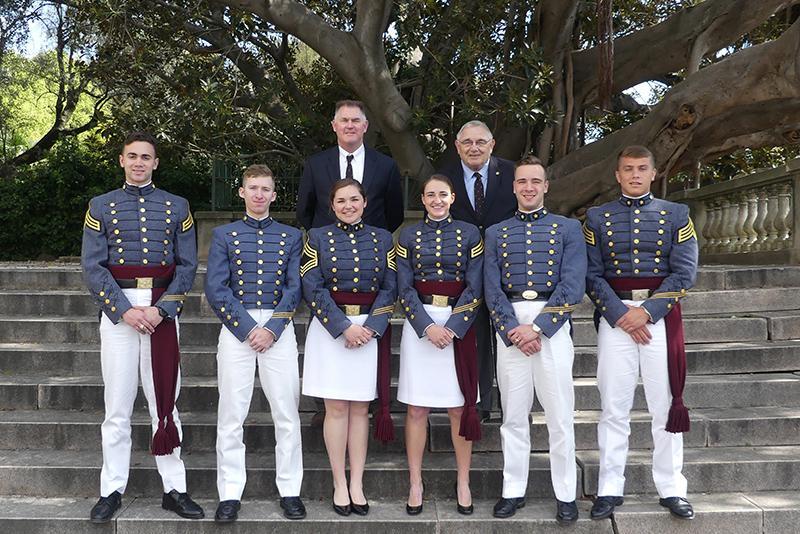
x=670, y=45
x=746, y=98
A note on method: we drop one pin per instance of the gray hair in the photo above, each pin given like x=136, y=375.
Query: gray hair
x=474, y=124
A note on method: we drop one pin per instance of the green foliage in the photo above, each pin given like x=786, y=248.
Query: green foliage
x=42, y=207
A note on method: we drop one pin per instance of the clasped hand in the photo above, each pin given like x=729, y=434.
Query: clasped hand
x=143, y=319
x=439, y=336
x=526, y=339
x=634, y=323
x=356, y=336
x=260, y=339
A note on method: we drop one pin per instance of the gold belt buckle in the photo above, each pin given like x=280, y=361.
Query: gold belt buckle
x=352, y=309
x=440, y=300
x=640, y=294
x=144, y=283
x=529, y=294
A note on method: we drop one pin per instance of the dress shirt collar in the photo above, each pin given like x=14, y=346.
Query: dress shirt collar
x=638, y=201
x=355, y=227
x=483, y=171
x=356, y=153
x=530, y=216
x=257, y=223
x=146, y=189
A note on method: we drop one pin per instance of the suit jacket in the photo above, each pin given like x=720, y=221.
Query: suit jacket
x=381, y=182
x=500, y=202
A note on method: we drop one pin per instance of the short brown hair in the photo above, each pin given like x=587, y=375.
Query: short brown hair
x=351, y=104
x=147, y=137
x=636, y=152
x=257, y=170
x=341, y=184
x=436, y=178
x=530, y=159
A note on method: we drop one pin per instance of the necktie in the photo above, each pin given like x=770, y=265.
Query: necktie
x=479, y=198
x=349, y=172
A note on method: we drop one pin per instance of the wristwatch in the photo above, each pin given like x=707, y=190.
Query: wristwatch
x=162, y=312
x=536, y=328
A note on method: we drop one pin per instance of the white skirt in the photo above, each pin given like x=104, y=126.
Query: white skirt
x=331, y=371
x=428, y=374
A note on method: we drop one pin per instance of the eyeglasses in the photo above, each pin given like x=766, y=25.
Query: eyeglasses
x=480, y=143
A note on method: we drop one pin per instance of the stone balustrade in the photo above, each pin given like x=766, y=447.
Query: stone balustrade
x=750, y=219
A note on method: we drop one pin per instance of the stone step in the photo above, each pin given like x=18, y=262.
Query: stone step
x=733, y=513
x=143, y=515
x=204, y=331
x=72, y=302
x=709, y=470
x=74, y=430
x=44, y=275
x=76, y=473
x=702, y=358
x=26, y=392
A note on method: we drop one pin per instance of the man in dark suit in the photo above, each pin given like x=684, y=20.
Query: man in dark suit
x=484, y=191
x=350, y=159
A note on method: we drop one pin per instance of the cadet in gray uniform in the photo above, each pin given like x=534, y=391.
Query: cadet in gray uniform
x=139, y=259
x=642, y=261
x=253, y=285
x=533, y=277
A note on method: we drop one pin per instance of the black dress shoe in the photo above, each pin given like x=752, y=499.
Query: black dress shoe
x=227, y=511
x=359, y=509
x=181, y=504
x=463, y=510
x=413, y=510
x=678, y=506
x=508, y=507
x=566, y=512
x=103, y=511
x=339, y=509
x=485, y=416
x=293, y=508
x=604, y=506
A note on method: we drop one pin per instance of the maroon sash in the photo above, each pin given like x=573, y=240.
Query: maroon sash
x=165, y=357
x=384, y=427
x=465, y=351
x=678, y=420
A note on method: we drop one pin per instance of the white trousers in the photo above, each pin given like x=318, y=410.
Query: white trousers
x=549, y=374
x=279, y=376
x=619, y=361
x=124, y=354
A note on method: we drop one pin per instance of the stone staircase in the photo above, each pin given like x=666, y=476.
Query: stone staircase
x=742, y=457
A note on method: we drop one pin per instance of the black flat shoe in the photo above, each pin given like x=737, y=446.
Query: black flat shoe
x=604, y=506
x=566, y=512
x=413, y=510
x=181, y=504
x=359, y=509
x=463, y=510
x=508, y=507
x=293, y=508
x=340, y=509
x=227, y=511
x=678, y=507
x=103, y=511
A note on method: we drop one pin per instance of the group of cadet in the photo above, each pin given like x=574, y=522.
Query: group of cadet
x=487, y=282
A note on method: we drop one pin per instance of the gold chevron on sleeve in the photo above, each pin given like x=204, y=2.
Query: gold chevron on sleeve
x=90, y=222
x=566, y=308
x=311, y=257
x=687, y=232
x=477, y=250
x=467, y=307
x=173, y=298
x=401, y=251
x=283, y=315
x=390, y=260
x=669, y=295
x=383, y=310
x=187, y=223
x=588, y=235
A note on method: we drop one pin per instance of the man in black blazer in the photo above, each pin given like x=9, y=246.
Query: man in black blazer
x=350, y=158
x=484, y=191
